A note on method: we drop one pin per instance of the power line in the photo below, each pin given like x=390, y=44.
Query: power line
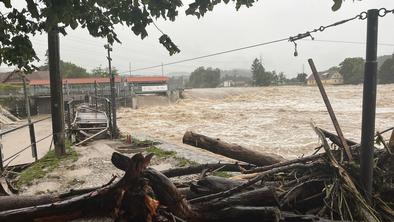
x=361, y=16
x=345, y=42
x=301, y=36
x=210, y=55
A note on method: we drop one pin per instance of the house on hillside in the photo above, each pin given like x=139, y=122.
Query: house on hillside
x=327, y=77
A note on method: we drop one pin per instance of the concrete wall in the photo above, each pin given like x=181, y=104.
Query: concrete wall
x=140, y=101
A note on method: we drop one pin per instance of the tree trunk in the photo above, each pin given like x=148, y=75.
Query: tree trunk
x=182, y=171
x=255, y=198
x=230, y=150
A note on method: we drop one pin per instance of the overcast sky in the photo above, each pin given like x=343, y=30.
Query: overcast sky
x=225, y=28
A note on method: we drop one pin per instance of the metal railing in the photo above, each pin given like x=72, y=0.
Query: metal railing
x=103, y=104
x=32, y=144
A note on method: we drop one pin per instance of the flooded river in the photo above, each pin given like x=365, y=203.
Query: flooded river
x=269, y=119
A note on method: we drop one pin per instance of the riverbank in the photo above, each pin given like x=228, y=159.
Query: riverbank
x=93, y=166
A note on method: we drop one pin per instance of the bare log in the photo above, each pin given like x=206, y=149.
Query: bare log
x=241, y=213
x=365, y=210
x=94, y=203
x=391, y=142
x=292, y=217
x=285, y=163
x=256, y=179
x=230, y=150
x=168, y=194
x=213, y=184
x=335, y=139
x=265, y=196
x=182, y=171
x=120, y=200
x=310, y=190
x=210, y=185
x=6, y=188
x=15, y=202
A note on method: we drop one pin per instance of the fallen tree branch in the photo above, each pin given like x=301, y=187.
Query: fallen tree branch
x=230, y=150
x=182, y=171
x=252, y=181
x=365, y=210
x=286, y=163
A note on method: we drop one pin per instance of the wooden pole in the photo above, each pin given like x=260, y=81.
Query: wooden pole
x=57, y=109
x=330, y=110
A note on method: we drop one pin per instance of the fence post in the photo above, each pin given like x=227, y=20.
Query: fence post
x=1, y=155
x=95, y=92
x=108, y=103
x=33, y=141
x=369, y=103
x=31, y=126
x=69, y=119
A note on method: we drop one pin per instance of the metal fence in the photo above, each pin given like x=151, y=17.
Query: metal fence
x=5, y=161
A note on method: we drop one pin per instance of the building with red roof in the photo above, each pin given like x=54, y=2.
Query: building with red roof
x=39, y=83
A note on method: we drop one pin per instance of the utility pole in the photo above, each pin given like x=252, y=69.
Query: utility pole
x=56, y=85
x=129, y=68
x=162, y=70
x=369, y=103
x=113, y=98
x=31, y=126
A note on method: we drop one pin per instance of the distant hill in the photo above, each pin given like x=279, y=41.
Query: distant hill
x=178, y=74
x=381, y=59
x=232, y=72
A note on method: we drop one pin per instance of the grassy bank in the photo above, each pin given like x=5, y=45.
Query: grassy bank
x=164, y=154
x=180, y=161
x=45, y=165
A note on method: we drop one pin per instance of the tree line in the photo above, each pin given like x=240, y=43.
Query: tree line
x=352, y=70
x=71, y=70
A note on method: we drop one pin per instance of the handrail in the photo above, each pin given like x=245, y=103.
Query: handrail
x=22, y=126
x=25, y=148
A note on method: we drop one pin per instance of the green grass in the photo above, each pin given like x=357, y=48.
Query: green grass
x=138, y=142
x=222, y=174
x=163, y=154
x=10, y=87
x=182, y=162
x=45, y=165
x=160, y=153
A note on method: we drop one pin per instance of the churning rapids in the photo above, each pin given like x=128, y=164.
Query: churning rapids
x=269, y=119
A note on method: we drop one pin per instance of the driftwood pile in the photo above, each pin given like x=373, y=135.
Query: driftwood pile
x=320, y=187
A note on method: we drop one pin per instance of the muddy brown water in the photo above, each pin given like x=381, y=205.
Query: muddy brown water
x=268, y=119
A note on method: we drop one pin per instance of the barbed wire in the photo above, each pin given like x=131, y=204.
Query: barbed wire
x=361, y=16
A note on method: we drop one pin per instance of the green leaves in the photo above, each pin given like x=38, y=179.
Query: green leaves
x=7, y=3
x=98, y=16
x=170, y=46
x=337, y=5
x=32, y=8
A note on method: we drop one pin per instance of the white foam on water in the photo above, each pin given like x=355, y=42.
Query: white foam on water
x=269, y=119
